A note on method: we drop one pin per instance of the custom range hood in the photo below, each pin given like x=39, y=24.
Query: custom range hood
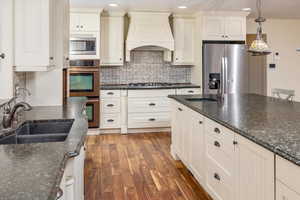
x=150, y=29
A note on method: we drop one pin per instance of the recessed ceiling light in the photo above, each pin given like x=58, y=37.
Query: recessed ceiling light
x=113, y=5
x=246, y=9
x=182, y=7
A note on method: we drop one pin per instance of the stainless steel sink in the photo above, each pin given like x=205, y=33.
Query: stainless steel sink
x=201, y=99
x=40, y=132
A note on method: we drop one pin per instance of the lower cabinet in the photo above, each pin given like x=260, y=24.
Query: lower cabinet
x=227, y=165
x=72, y=184
x=285, y=193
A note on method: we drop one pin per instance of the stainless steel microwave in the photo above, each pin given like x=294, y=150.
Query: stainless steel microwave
x=84, y=46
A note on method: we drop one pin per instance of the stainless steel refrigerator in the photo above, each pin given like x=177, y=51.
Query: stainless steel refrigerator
x=225, y=68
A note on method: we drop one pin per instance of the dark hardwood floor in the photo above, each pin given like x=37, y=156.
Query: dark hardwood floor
x=136, y=167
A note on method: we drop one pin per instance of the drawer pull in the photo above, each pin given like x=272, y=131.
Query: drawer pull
x=110, y=120
x=190, y=91
x=152, y=119
x=179, y=109
x=110, y=105
x=235, y=142
x=200, y=122
x=217, y=144
x=216, y=176
x=110, y=93
x=152, y=104
x=217, y=130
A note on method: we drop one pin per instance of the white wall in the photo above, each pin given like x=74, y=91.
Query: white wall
x=283, y=36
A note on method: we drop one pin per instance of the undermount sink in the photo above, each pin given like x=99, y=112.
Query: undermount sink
x=40, y=132
x=201, y=99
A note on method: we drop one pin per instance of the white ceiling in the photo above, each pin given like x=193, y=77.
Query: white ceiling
x=271, y=8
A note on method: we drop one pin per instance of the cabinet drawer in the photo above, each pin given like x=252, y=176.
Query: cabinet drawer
x=137, y=105
x=222, y=134
x=288, y=173
x=188, y=91
x=110, y=93
x=149, y=120
x=217, y=151
x=150, y=93
x=285, y=193
x=110, y=121
x=111, y=105
x=219, y=184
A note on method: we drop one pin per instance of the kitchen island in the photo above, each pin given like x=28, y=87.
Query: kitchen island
x=35, y=170
x=248, y=141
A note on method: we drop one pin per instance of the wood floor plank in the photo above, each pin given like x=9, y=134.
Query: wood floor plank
x=136, y=167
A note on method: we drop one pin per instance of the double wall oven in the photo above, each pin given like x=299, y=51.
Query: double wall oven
x=84, y=81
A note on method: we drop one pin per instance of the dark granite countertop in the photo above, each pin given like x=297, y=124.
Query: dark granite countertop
x=269, y=122
x=33, y=171
x=127, y=87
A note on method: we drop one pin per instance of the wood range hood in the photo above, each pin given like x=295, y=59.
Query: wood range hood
x=150, y=29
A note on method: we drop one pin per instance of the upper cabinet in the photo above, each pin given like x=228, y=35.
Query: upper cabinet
x=37, y=33
x=229, y=27
x=184, y=37
x=84, y=21
x=112, y=39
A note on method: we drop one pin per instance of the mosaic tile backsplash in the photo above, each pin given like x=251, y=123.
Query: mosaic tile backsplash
x=145, y=66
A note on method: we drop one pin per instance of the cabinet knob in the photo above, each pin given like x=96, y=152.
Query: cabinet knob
x=152, y=104
x=217, y=176
x=217, y=144
x=110, y=105
x=51, y=58
x=152, y=119
x=121, y=59
x=179, y=109
x=190, y=91
x=200, y=122
x=110, y=93
x=77, y=26
x=177, y=59
x=217, y=130
x=235, y=142
x=110, y=120
x=2, y=55
x=81, y=26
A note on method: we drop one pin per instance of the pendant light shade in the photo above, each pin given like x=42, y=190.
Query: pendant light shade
x=259, y=47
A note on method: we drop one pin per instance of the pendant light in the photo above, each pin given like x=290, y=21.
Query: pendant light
x=259, y=47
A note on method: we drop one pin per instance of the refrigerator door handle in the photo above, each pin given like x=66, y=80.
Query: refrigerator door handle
x=223, y=78
x=225, y=73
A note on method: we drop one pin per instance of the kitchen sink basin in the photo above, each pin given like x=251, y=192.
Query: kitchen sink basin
x=201, y=99
x=40, y=132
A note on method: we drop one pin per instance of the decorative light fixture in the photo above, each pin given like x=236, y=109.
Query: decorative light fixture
x=182, y=7
x=113, y=5
x=259, y=47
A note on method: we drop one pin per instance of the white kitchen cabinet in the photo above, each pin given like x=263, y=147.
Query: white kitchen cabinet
x=254, y=169
x=110, y=109
x=189, y=91
x=35, y=34
x=112, y=39
x=225, y=28
x=184, y=37
x=85, y=20
x=285, y=193
x=197, y=147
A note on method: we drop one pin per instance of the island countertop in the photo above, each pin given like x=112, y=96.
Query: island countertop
x=33, y=171
x=269, y=122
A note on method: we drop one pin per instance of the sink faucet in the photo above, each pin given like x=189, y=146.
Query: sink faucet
x=9, y=113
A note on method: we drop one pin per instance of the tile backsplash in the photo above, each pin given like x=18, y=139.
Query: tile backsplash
x=145, y=66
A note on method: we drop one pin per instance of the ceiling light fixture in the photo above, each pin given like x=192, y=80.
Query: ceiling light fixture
x=182, y=7
x=246, y=9
x=113, y=5
x=259, y=47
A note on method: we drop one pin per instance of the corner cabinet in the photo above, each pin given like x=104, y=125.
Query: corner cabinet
x=224, y=27
x=184, y=37
x=112, y=39
x=38, y=33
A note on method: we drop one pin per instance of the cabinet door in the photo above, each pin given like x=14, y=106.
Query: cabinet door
x=34, y=36
x=89, y=22
x=235, y=28
x=254, y=171
x=112, y=41
x=197, y=156
x=176, y=109
x=74, y=22
x=184, y=41
x=214, y=28
x=285, y=193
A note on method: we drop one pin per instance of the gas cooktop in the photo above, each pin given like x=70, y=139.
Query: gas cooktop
x=150, y=84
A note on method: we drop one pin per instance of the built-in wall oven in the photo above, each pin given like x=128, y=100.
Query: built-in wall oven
x=84, y=81
x=85, y=46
